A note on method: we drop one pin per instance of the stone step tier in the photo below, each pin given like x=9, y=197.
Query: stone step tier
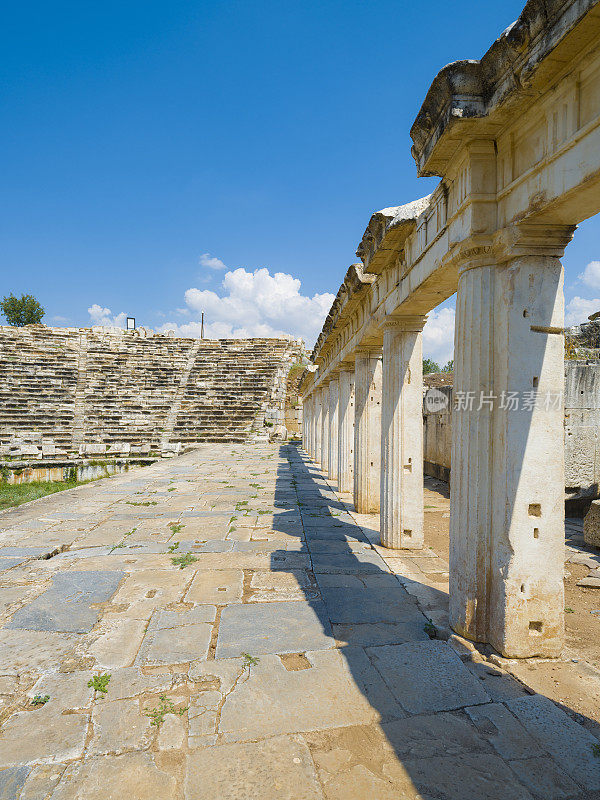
x=73, y=392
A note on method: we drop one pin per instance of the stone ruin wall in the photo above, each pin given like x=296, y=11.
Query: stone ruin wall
x=73, y=393
x=582, y=428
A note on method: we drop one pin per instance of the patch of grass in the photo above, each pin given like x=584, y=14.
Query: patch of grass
x=569, y=610
x=596, y=750
x=165, y=706
x=430, y=629
x=173, y=547
x=171, y=489
x=183, y=561
x=176, y=526
x=11, y=496
x=143, y=503
x=99, y=683
x=40, y=699
x=249, y=661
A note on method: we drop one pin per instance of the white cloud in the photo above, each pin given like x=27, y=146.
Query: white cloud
x=579, y=309
x=438, y=335
x=103, y=316
x=58, y=318
x=255, y=304
x=206, y=260
x=591, y=275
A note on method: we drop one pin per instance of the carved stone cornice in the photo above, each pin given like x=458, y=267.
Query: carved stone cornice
x=464, y=92
x=386, y=234
x=353, y=286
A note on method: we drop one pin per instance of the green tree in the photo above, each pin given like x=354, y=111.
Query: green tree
x=24, y=310
x=430, y=366
x=449, y=366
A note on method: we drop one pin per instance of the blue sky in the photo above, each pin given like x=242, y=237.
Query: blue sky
x=142, y=141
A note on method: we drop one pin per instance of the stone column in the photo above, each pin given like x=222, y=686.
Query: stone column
x=402, y=433
x=345, y=477
x=306, y=423
x=334, y=397
x=317, y=417
x=367, y=429
x=507, y=485
x=325, y=426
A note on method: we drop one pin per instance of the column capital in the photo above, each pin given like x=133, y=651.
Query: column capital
x=405, y=322
x=531, y=239
x=368, y=350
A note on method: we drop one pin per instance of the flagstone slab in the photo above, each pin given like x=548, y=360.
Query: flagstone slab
x=569, y=744
x=281, y=627
x=371, y=605
x=12, y=780
x=427, y=676
x=276, y=769
x=273, y=699
x=216, y=586
x=66, y=606
x=134, y=776
x=42, y=735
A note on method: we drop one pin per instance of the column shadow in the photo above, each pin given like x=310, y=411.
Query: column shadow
x=418, y=686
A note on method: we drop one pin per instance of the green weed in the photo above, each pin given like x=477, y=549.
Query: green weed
x=249, y=661
x=99, y=683
x=176, y=526
x=183, y=561
x=165, y=706
x=40, y=699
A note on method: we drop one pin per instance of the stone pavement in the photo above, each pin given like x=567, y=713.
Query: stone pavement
x=282, y=656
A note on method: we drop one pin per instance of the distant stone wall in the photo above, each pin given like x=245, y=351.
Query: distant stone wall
x=106, y=392
x=582, y=422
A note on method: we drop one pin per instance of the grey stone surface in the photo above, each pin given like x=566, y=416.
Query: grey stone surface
x=377, y=633
x=427, y=676
x=12, y=780
x=505, y=733
x=276, y=769
x=371, y=606
x=479, y=776
x=542, y=777
x=66, y=606
x=175, y=645
x=286, y=627
x=569, y=744
x=271, y=699
x=368, y=561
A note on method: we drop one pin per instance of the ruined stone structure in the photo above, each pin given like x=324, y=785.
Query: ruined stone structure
x=515, y=139
x=106, y=392
x=581, y=430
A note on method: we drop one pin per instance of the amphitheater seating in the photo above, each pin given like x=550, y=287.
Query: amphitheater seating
x=68, y=392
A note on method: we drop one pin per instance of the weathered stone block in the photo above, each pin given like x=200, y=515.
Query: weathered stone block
x=591, y=525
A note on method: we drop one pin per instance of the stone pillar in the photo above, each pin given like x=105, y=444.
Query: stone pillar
x=334, y=397
x=507, y=486
x=367, y=429
x=306, y=423
x=402, y=433
x=317, y=418
x=325, y=426
x=345, y=476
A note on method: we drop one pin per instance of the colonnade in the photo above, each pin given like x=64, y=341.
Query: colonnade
x=363, y=423
x=517, y=153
